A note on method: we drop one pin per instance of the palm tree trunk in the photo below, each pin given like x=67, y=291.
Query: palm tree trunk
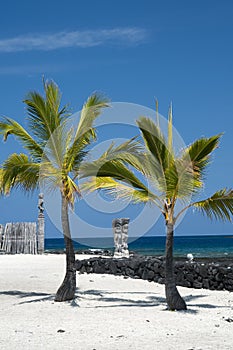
x=174, y=300
x=67, y=289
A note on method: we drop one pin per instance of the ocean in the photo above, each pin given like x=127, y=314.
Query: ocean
x=217, y=246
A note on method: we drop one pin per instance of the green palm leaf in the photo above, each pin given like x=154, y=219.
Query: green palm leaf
x=155, y=142
x=119, y=190
x=90, y=111
x=20, y=172
x=4, y=188
x=218, y=206
x=179, y=180
x=85, y=131
x=9, y=126
x=111, y=164
x=114, y=169
x=199, y=153
x=69, y=189
x=170, y=132
x=184, y=175
x=44, y=114
x=109, y=172
x=130, y=153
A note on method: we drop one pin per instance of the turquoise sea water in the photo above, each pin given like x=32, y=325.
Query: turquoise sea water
x=199, y=246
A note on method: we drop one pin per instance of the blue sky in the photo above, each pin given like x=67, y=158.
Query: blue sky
x=132, y=51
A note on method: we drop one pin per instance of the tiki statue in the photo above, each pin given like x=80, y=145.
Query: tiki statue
x=124, y=237
x=120, y=231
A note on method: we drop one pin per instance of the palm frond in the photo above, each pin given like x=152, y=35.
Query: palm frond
x=1, y=177
x=157, y=113
x=170, y=132
x=9, y=126
x=199, y=153
x=69, y=189
x=155, y=142
x=56, y=147
x=20, y=172
x=113, y=168
x=90, y=111
x=55, y=153
x=44, y=113
x=112, y=163
x=179, y=180
x=218, y=206
x=118, y=190
x=85, y=131
x=75, y=153
x=4, y=190
x=131, y=153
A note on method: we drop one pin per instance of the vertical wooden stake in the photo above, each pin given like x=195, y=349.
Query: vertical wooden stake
x=41, y=225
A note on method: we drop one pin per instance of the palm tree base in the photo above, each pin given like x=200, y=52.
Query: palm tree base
x=67, y=289
x=174, y=300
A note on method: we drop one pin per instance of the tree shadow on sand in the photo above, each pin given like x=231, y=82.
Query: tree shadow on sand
x=110, y=299
x=191, y=298
x=21, y=294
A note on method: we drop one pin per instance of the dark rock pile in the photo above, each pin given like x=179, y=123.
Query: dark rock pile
x=102, y=252
x=208, y=275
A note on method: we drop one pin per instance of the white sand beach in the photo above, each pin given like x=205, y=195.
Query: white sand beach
x=109, y=312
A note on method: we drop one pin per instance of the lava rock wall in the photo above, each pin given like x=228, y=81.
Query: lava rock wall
x=208, y=275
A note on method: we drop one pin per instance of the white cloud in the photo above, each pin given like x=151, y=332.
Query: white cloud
x=81, y=39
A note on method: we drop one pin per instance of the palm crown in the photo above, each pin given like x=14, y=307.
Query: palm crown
x=173, y=177
x=54, y=151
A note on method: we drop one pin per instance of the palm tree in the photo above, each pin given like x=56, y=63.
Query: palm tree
x=53, y=157
x=176, y=179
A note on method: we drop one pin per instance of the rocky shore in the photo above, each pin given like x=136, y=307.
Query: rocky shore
x=203, y=273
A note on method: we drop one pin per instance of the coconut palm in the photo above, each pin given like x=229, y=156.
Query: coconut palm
x=176, y=180
x=53, y=156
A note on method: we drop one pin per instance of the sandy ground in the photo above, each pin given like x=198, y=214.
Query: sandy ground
x=109, y=312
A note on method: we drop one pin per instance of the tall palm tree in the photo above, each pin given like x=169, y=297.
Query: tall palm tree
x=53, y=157
x=176, y=179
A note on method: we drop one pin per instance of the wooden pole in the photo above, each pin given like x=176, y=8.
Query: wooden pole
x=41, y=225
x=1, y=236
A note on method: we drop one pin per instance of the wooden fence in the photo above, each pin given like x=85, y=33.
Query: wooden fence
x=23, y=237
x=19, y=238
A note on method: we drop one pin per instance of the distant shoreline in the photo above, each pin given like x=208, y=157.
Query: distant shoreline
x=89, y=254
x=211, y=246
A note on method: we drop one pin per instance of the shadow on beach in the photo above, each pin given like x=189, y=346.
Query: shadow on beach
x=107, y=299
x=22, y=294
